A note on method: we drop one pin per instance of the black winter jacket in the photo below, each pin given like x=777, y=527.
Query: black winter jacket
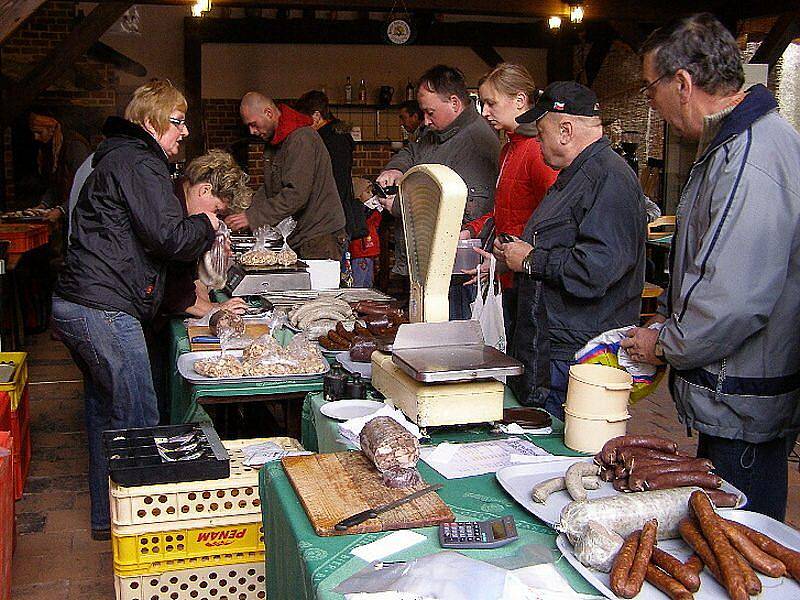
x=336, y=137
x=589, y=238
x=127, y=225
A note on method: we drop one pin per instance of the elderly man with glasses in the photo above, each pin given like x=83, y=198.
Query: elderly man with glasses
x=730, y=332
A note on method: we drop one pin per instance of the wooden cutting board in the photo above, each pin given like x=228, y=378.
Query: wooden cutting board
x=332, y=487
x=251, y=329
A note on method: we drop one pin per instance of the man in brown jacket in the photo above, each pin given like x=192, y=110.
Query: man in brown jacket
x=298, y=180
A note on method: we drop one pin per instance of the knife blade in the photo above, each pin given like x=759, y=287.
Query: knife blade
x=371, y=513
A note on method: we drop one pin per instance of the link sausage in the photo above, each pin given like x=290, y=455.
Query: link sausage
x=627, y=455
x=685, y=574
x=751, y=581
x=644, y=552
x=609, y=452
x=667, y=584
x=760, y=560
x=722, y=499
x=573, y=478
x=621, y=569
x=643, y=469
x=695, y=563
x=729, y=566
x=692, y=535
x=790, y=558
x=683, y=479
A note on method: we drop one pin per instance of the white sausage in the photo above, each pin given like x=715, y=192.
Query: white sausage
x=543, y=489
x=573, y=476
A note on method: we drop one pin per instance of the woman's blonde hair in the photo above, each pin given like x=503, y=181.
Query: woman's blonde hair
x=228, y=181
x=511, y=79
x=154, y=102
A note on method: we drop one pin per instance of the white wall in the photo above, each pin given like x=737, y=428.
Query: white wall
x=288, y=70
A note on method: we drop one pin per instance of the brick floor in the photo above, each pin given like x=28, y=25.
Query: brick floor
x=55, y=556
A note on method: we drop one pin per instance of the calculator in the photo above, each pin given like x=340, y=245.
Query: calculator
x=478, y=534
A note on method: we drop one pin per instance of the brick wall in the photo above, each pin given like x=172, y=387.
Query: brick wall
x=369, y=159
x=222, y=123
x=80, y=109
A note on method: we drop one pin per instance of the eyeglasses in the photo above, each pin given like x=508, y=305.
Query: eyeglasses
x=644, y=88
x=177, y=122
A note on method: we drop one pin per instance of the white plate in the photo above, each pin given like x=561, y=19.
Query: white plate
x=186, y=369
x=362, y=368
x=773, y=589
x=342, y=410
x=519, y=480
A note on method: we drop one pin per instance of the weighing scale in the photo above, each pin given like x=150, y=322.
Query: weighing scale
x=440, y=372
x=243, y=280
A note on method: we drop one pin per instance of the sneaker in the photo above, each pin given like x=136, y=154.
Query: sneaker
x=101, y=535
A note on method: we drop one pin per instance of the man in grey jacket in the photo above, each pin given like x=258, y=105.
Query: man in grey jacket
x=730, y=314
x=457, y=136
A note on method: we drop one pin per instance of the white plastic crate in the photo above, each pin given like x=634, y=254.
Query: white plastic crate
x=173, y=502
x=243, y=581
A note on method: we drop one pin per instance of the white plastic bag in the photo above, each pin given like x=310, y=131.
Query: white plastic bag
x=489, y=311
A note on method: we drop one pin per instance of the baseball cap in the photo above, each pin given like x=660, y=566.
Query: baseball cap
x=564, y=97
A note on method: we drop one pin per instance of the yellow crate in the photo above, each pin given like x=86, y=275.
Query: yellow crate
x=177, y=502
x=243, y=581
x=16, y=387
x=180, y=564
x=137, y=547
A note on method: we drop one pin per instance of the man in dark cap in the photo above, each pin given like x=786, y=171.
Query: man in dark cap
x=581, y=257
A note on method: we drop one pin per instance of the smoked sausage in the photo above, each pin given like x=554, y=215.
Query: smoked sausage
x=686, y=575
x=760, y=560
x=644, y=551
x=695, y=563
x=623, y=563
x=667, y=584
x=790, y=558
x=683, y=479
x=608, y=454
x=693, y=537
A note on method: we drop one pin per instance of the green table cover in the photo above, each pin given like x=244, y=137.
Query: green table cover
x=184, y=397
x=302, y=565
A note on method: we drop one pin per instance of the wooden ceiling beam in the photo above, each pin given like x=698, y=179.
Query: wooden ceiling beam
x=785, y=29
x=75, y=45
x=13, y=14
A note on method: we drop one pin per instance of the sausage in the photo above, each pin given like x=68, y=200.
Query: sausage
x=542, y=490
x=606, y=474
x=722, y=499
x=643, y=469
x=683, y=479
x=348, y=335
x=641, y=476
x=621, y=484
x=623, y=563
x=729, y=566
x=790, y=558
x=751, y=581
x=620, y=471
x=608, y=454
x=339, y=340
x=760, y=560
x=626, y=455
x=686, y=575
x=325, y=342
x=693, y=537
x=359, y=329
x=573, y=476
x=695, y=563
x=644, y=551
x=667, y=584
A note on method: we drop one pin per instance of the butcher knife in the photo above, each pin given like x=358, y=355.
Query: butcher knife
x=371, y=513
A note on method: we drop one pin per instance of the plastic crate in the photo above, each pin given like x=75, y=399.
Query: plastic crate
x=24, y=236
x=245, y=581
x=6, y=512
x=14, y=389
x=21, y=432
x=137, y=547
x=175, y=502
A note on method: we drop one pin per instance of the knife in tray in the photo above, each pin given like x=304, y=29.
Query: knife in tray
x=371, y=513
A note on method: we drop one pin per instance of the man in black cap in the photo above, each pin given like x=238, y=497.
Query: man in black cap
x=581, y=257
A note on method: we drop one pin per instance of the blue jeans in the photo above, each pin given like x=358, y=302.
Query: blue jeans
x=110, y=350
x=559, y=378
x=759, y=470
x=460, y=298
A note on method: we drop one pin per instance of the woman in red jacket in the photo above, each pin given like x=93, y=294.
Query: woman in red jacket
x=506, y=92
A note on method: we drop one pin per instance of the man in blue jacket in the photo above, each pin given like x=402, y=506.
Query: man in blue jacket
x=730, y=314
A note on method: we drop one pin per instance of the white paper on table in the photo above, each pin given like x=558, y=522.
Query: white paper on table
x=517, y=429
x=257, y=455
x=350, y=430
x=479, y=458
x=388, y=545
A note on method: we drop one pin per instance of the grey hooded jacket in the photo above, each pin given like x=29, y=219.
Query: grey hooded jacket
x=732, y=335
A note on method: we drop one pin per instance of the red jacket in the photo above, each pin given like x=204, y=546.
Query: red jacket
x=523, y=181
x=370, y=245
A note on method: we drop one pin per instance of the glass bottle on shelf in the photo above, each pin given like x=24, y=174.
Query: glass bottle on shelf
x=409, y=91
x=362, y=92
x=348, y=91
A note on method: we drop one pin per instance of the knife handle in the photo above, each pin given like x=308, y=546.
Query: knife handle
x=356, y=519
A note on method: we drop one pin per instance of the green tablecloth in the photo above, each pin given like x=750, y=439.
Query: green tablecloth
x=184, y=397
x=302, y=565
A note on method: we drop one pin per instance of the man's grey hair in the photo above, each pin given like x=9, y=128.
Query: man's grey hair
x=701, y=45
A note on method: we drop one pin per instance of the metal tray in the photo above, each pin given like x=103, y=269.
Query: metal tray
x=773, y=588
x=519, y=480
x=454, y=363
x=186, y=369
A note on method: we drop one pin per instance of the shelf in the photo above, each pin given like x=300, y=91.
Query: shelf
x=366, y=106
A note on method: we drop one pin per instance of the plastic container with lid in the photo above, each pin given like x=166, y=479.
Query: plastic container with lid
x=466, y=257
x=588, y=434
x=598, y=391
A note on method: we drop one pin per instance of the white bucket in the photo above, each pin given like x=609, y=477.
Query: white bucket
x=588, y=434
x=598, y=390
